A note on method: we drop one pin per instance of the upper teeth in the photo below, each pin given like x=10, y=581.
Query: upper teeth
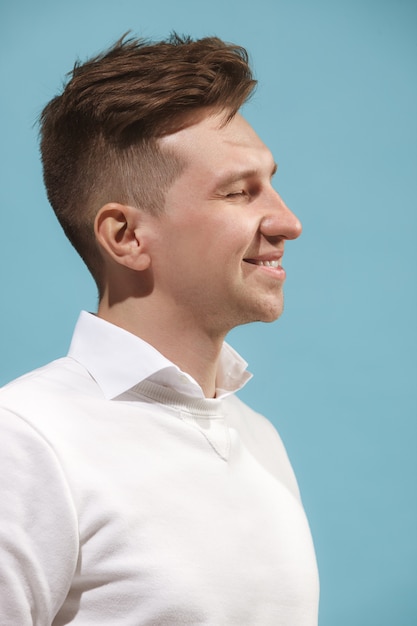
x=268, y=263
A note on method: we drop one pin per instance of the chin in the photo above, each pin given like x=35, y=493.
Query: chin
x=267, y=310
x=272, y=316
x=271, y=311
x=266, y=315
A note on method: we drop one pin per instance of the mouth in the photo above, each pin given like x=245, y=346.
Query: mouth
x=269, y=265
x=272, y=263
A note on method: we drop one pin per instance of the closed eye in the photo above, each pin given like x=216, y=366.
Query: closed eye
x=236, y=194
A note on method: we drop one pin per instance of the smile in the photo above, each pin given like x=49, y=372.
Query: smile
x=265, y=263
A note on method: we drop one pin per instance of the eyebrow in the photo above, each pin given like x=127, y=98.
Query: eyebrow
x=234, y=177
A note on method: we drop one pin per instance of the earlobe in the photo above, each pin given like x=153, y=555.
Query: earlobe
x=118, y=230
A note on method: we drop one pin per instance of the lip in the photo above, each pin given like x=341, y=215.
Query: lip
x=271, y=257
x=269, y=263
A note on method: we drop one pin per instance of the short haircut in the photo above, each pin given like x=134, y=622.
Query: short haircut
x=99, y=136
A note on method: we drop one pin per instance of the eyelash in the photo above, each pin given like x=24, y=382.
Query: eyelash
x=236, y=194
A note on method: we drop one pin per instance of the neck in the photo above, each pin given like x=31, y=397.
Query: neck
x=180, y=339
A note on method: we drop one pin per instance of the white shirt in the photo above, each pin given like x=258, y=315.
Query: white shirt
x=118, y=360
x=126, y=501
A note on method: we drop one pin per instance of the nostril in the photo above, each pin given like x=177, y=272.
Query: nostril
x=283, y=225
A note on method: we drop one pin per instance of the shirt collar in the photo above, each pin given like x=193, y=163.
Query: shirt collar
x=119, y=360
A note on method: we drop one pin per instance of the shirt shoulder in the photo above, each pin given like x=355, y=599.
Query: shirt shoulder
x=262, y=440
x=59, y=378
x=39, y=533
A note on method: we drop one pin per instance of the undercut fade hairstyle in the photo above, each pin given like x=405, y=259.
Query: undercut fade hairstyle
x=99, y=136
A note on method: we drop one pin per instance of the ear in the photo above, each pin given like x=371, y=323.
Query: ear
x=119, y=230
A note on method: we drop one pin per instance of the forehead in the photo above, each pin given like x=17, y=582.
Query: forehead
x=211, y=142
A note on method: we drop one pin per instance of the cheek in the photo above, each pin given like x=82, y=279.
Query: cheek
x=208, y=238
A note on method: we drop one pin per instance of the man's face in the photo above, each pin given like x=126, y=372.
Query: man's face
x=218, y=246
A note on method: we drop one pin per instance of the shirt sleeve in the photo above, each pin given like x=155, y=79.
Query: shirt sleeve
x=38, y=527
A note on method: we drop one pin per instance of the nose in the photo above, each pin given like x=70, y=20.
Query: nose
x=279, y=221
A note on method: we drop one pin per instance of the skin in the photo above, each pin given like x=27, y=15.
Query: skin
x=183, y=280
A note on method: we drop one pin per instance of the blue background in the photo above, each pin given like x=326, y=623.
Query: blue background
x=337, y=103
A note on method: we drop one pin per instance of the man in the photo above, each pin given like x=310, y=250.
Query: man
x=136, y=487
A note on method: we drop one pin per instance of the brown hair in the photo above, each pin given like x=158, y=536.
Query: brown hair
x=99, y=137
